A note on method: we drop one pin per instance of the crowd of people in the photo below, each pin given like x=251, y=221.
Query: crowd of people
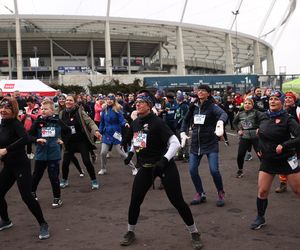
x=159, y=129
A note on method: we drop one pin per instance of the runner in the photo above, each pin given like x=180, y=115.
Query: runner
x=83, y=130
x=277, y=152
x=46, y=132
x=13, y=139
x=155, y=145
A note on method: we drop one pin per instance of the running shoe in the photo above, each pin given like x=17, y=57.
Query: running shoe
x=108, y=155
x=226, y=143
x=102, y=171
x=81, y=175
x=95, y=184
x=196, y=240
x=44, y=231
x=239, y=173
x=64, y=183
x=128, y=239
x=30, y=156
x=221, y=199
x=198, y=198
x=134, y=171
x=57, y=202
x=282, y=188
x=5, y=224
x=258, y=223
x=34, y=196
x=248, y=156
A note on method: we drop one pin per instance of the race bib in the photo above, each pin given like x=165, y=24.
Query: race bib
x=117, y=136
x=48, y=132
x=171, y=112
x=293, y=162
x=73, y=130
x=140, y=140
x=199, y=119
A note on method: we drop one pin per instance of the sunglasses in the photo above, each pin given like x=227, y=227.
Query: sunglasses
x=5, y=104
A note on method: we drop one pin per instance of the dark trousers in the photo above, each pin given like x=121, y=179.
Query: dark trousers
x=53, y=174
x=21, y=174
x=29, y=148
x=171, y=181
x=83, y=149
x=244, y=145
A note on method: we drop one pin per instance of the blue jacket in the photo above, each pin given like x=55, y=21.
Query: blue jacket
x=51, y=129
x=204, y=139
x=110, y=123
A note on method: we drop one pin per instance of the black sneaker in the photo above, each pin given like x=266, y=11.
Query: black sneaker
x=44, y=231
x=258, y=223
x=128, y=238
x=239, y=173
x=5, y=224
x=57, y=202
x=196, y=241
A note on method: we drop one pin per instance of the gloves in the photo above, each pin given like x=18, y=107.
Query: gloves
x=219, y=128
x=128, y=158
x=183, y=138
x=161, y=165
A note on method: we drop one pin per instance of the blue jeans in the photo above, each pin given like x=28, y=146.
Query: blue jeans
x=213, y=162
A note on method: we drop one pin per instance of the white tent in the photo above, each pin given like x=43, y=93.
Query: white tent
x=27, y=86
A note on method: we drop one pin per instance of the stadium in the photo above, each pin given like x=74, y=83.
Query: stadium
x=78, y=49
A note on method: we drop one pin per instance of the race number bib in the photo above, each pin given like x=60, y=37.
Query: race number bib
x=199, y=119
x=140, y=140
x=293, y=162
x=73, y=130
x=48, y=132
x=117, y=136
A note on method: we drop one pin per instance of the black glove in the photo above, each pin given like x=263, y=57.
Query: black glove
x=128, y=158
x=161, y=166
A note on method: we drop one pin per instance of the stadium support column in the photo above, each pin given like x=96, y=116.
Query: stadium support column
x=180, y=53
x=9, y=59
x=270, y=62
x=257, y=62
x=229, y=56
x=129, y=57
x=51, y=59
x=92, y=57
x=18, y=43
x=108, y=63
x=160, y=56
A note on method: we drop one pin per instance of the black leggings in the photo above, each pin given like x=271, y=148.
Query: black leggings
x=244, y=145
x=53, y=173
x=83, y=149
x=171, y=181
x=22, y=174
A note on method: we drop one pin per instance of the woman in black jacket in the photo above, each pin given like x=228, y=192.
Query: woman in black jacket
x=277, y=151
x=13, y=139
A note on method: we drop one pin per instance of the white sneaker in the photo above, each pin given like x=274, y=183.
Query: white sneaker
x=134, y=171
x=81, y=175
x=102, y=171
x=30, y=156
x=108, y=155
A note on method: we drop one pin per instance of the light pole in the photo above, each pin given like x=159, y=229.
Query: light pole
x=35, y=49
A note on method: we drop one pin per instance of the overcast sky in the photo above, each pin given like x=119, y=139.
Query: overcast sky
x=216, y=13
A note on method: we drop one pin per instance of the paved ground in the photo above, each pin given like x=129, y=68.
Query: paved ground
x=98, y=219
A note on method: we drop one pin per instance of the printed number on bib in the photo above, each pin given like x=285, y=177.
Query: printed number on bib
x=293, y=162
x=140, y=140
x=48, y=132
x=199, y=119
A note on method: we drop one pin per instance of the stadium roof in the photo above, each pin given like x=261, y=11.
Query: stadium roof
x=73, y=34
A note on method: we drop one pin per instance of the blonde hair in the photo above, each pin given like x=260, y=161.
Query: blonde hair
x=117, y=107
x=50, y=103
